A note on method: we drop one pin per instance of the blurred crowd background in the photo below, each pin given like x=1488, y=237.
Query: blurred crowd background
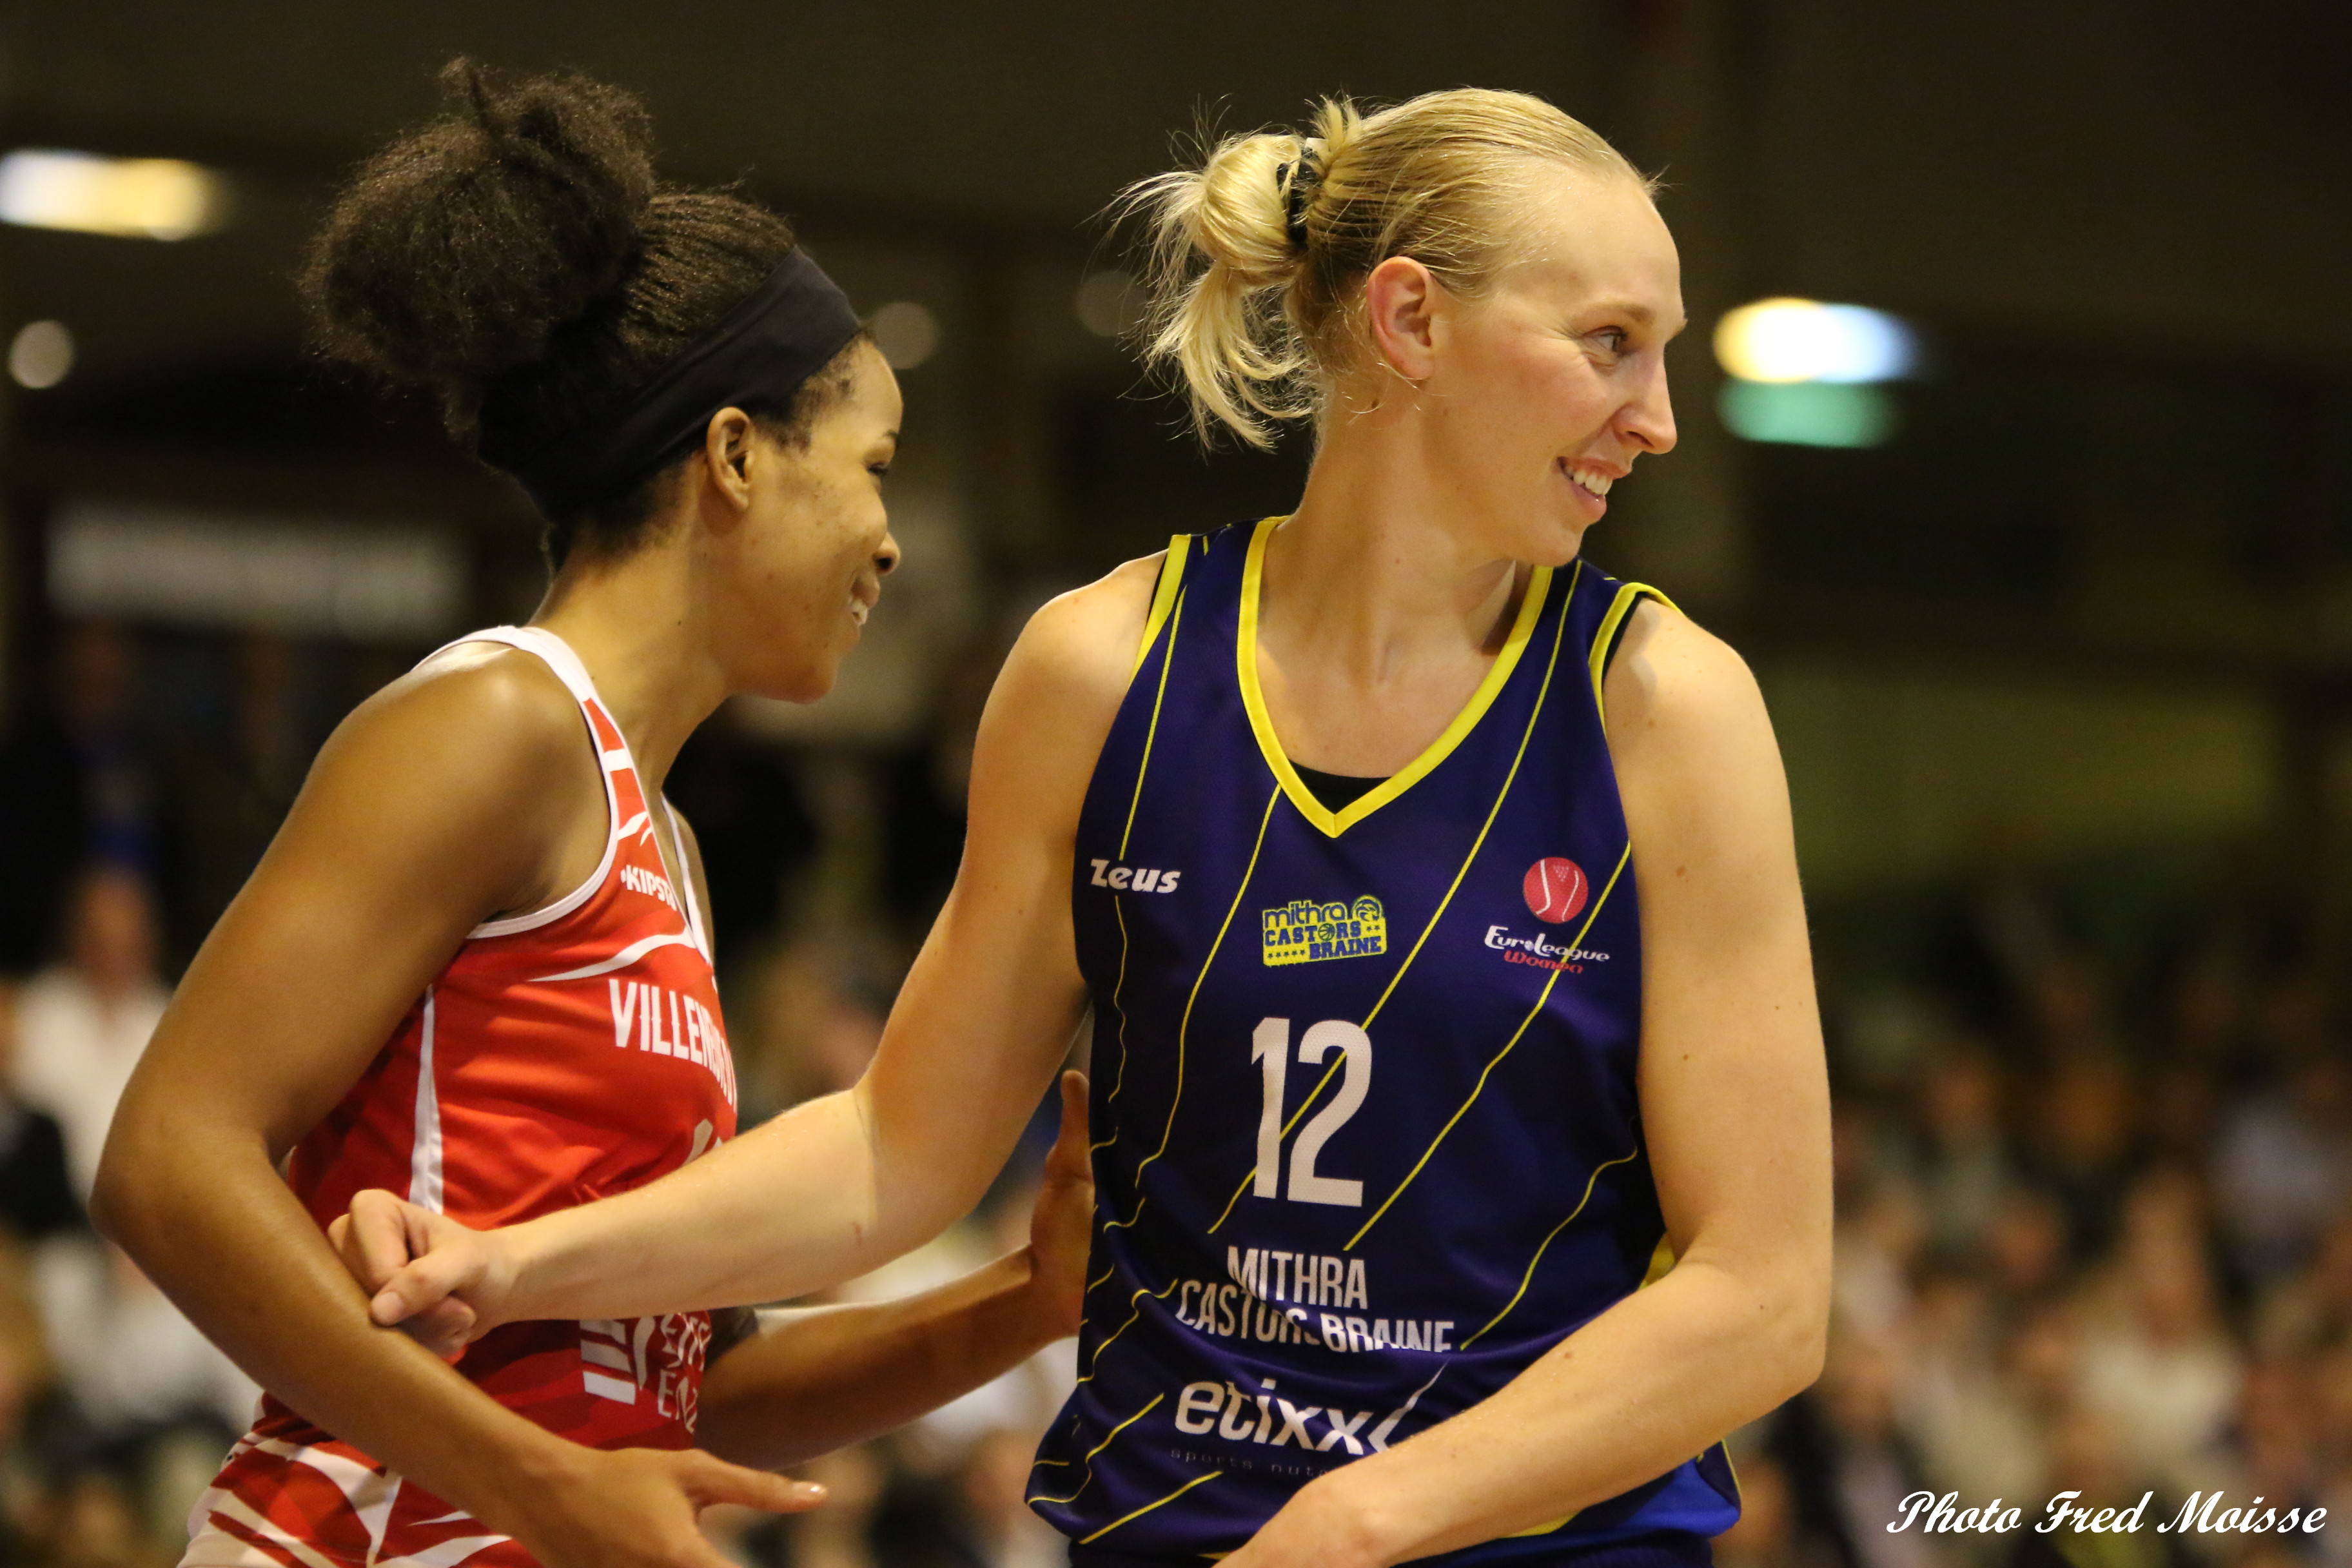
x=2054, y=611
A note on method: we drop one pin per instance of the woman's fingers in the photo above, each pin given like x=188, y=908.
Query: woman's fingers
x=1070, y=1154
x=374, y=1238
x=710, y=1481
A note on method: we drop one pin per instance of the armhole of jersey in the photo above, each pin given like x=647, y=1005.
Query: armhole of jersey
x=1613, y=623
x=686, y=879
x=583, y=693
x=1164, y=597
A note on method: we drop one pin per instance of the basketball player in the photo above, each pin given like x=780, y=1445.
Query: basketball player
x=474, y=967
x=1463, y=1152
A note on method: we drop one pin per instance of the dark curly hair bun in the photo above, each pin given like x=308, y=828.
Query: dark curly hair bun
x=461, y=250
x=518, y=257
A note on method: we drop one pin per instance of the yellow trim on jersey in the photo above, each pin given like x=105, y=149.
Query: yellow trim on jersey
x=1597, y=658
x=1135, y=1301
x=1529, y=1277
x=1198, y=981
x=1543, y=693
x=1662, y=1263
x=1332, y=824
x=1480, y=1087
x=1147, y=1507
x=1163, y=596
x=1559, y=1523
x=1151, y=734
x=1090, y=1460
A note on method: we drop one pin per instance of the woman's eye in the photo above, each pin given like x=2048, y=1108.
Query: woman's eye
x=1614, y=339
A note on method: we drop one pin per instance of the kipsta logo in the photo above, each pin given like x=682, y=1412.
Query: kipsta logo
x=1556, y=890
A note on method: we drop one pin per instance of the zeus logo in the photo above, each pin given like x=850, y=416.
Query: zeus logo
x=1134, y=879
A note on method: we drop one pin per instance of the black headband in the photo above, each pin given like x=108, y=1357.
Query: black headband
x=782, y=333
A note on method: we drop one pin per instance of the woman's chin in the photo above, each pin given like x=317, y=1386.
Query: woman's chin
x=802, y=685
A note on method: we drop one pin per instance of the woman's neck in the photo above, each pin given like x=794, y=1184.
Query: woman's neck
x=639, y=625
x=1377, y=620
x=1370, y=573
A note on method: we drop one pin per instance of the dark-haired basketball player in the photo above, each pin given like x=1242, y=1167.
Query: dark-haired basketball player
x=474, y=968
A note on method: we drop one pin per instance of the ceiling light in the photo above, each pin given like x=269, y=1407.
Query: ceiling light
x=1807, y=413
x=1804, y=340
x=148, y=198
x=1108, y=303
x=40, y=356
x=905, y=332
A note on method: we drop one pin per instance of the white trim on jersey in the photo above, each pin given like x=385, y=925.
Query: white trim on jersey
x=686, y=884
x=424, y=1151
x=556, y=654
x=621, y=960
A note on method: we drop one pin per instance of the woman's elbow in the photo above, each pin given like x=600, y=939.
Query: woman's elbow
x=117, y=1196
x=131, y=1181
x=1799, y=1336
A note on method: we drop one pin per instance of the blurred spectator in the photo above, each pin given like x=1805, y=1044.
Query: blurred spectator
x=1767, y=1534
x=37, y=1195
x=2085, y=1114
x=1965, y=1164
x=2283, y=1165
x=1838, y=1469
x=76, y=785
x=2158, y=1367
x=81, y=1024
x=152, y=1402
x=227, y=794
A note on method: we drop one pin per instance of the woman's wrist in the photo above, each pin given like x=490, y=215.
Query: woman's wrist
x=1034, y=1318
x=1342, y=1517
x=1049, y=1310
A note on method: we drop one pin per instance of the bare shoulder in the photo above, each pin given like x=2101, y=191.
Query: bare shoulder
x=1091, y=633
x=1673, y=678
x=1078, y=651
x=499, y=707
x=1059, y=691
x=479, y=743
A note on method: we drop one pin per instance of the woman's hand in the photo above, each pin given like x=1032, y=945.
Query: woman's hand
x=1060, y=1226
x=641, y=1507
x=441, y=1282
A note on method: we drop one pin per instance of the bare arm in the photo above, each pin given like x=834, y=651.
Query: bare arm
x=1734, y=1105
x=835, y=1187
x=826, y=1377
x=410, y=830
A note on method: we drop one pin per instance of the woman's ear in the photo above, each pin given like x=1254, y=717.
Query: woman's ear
x=1400, y=299
x=727, y=449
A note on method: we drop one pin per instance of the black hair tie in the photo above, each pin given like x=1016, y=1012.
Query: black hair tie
x=1296, y=180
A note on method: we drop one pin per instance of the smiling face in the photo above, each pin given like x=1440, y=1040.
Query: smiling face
x=1541, y=393
x=796, y=570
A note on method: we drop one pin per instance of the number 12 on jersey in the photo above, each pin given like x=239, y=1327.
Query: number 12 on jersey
x=1270, y=1049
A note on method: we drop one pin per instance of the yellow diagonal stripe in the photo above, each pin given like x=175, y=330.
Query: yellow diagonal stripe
x=1090, y=1460
x=1480, y=1086
x=1184, y=1028
x=1524, y=1280
x=1135, y=1301
x=1147, y=1507
x=1119, y=909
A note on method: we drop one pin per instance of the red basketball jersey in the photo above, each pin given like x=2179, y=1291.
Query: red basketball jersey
x=563, y=1056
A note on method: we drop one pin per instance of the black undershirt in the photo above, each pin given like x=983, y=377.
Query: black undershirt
x=1336, y=791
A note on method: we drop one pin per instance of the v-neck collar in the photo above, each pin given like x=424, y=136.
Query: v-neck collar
x=1269, y=745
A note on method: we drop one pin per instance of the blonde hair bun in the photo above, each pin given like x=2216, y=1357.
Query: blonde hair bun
x=1256, y=256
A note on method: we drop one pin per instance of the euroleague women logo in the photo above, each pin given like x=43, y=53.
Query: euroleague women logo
x=1556, y=890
